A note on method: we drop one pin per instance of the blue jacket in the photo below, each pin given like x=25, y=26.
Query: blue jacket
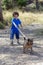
x=17, y=22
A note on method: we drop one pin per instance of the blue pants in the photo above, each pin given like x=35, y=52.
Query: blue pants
x=12, y=33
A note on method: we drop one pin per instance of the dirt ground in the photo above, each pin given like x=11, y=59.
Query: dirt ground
x=13, y=55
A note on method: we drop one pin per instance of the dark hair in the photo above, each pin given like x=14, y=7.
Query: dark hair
x=15, y=13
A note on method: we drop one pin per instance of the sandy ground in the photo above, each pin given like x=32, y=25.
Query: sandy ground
x=13, y=55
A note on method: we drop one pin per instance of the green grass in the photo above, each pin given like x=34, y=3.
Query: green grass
x=2, y=26
x=26, y=17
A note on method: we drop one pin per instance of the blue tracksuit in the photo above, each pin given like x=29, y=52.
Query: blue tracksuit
x=14, y=30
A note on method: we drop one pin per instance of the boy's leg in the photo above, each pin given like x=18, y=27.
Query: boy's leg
x=17, y=37
x=11, y=41
x=11, y=36
x=17, y=40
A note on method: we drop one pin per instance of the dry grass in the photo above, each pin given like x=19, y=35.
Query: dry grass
x=26, y=18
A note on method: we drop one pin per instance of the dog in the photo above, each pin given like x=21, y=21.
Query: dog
x=28, y=43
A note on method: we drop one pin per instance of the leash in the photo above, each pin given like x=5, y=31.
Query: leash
x=19, y=30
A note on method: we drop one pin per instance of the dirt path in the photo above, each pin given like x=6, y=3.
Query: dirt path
x=13, y=55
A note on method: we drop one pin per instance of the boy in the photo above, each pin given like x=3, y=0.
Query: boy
x=14, y=30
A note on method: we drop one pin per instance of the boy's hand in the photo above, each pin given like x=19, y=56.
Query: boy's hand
x=24, y=38
x=21, y=26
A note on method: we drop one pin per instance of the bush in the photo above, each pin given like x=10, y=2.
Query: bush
x=21, y=3
x=5, y=23
x=2, y=26
x=41, y=3
x=6, y=4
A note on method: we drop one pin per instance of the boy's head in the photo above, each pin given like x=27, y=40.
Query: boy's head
x=15, y=14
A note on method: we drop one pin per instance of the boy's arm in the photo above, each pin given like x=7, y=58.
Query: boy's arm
x=20, y=23
x=20, y=26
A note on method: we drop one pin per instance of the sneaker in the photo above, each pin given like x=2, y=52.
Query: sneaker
x=12, y=43
x=18, y=43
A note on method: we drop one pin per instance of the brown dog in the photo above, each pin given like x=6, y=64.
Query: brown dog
x=27, y=44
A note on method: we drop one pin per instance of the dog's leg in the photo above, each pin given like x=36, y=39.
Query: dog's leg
x=31, y=51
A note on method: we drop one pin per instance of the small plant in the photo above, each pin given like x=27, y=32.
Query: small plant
x=21, y=3
x=6, y=4
x=2, y=26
